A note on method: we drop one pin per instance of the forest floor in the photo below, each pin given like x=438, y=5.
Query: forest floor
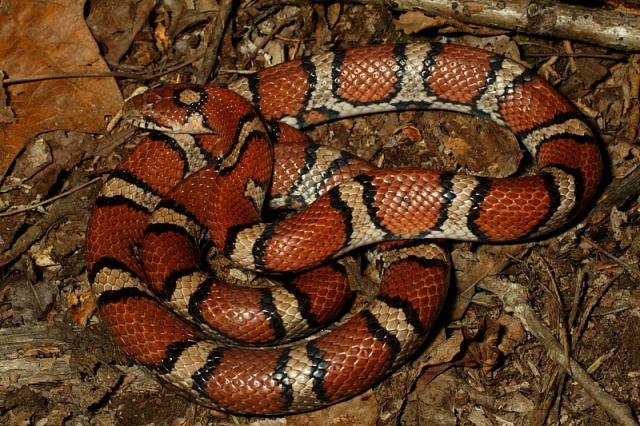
x=480, y=367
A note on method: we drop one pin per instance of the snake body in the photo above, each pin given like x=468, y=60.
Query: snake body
x=199, y=188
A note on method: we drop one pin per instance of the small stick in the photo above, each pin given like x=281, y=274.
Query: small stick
x=100, y=74
x=12, y=211
x=603, y=27
x=215, y=41
x=630, y=269
x=564, y=332
x=60, y=209
x=574, y=55
x=617, y=194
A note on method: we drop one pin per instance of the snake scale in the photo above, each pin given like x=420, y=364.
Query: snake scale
x=196, y=184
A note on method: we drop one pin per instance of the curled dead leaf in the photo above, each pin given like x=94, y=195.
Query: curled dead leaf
x=482, y=349
x=513, y=334
x=82, y=305
x=115, y=23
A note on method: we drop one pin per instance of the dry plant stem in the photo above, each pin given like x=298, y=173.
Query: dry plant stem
x=560, y=385
x=573, y=55
x=60, y=209
x=581, y=277
x=114, y=140
x=515, y=300
x=538, y=417
x=101, y=74
x=554, y=401
x=215, y=41
x=564, y=332
x=11, y=212
x=579, y=328
x=540, y=17
x=629, y=268
x=58, y=76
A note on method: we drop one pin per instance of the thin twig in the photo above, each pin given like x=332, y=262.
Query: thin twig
x=11, y=212
x=573, y=55
x=630, y=269
x=564, y=332
x=215, y=41
x=581, y=276
x=101, y=74
x=617, y=194
x=538, y=417
x=236, y=71
x=58, y=210
x=59, y=76
x=587, y=310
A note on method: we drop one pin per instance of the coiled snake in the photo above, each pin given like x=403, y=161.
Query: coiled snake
x=212, y=169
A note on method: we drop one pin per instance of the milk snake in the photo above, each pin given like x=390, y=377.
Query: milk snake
x=211, y=170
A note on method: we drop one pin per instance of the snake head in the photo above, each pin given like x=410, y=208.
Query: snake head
x=175, y=108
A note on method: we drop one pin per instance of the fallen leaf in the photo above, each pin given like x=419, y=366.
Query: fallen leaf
x=43, y=160
x=43, y=38
x=82, y=304
x=516, y=402
x=333, y=13
x=482, y=346
x=115, y=23
x=446, y=350
x=485, y=149
x=471, y=267
x=513, y=336
x=31, y=302
x=436, y=400
x=414, y=21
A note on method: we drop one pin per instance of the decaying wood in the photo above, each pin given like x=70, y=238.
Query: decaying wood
x=540, y=17
x=33, y=355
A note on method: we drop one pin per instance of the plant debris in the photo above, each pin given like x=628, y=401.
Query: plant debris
x=479, y=367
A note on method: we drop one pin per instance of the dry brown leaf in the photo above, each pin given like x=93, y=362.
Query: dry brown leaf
x=82, y=304
x=482, y=346
x=333, y=14
x=446, y=350
x=115, y=23
x=322, y=33
x=437, y=400
x=514, y=334
x=516, y=402
x=41, y=38
x=485, y=149
x=470, y=268
x=414, y=21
